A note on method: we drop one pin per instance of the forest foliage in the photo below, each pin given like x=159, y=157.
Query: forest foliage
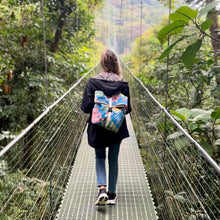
x=44, y=49
x=179, y=63
x=28, y=84
x=177, y=59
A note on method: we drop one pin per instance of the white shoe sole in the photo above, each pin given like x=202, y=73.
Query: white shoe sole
x=112, y=202
x=102, y=199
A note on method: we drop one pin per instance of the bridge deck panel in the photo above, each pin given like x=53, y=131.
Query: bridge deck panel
x=134, y=196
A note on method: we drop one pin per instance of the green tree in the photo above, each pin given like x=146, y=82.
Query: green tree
x=213, y=15
x=68, y=34
x=185, y=18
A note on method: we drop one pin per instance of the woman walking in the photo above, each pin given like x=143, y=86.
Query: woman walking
x=110, y=82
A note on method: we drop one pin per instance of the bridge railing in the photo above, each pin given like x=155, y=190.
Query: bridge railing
x=184, y=179
x=35, y=166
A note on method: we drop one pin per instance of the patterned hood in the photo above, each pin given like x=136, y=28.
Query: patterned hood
x=109, y=83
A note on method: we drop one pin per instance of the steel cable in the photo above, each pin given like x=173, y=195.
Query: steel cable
x=183, y=182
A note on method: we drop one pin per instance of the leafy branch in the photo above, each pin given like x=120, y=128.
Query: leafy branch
x=215, y=115
x=180, y=19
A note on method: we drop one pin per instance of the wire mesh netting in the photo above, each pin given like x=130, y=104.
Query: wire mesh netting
x=184, y=184
x=34, y=169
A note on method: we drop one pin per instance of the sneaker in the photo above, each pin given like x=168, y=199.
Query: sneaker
x=102, y=197
x=111, y=198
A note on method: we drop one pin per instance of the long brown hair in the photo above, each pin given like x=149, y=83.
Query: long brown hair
x=110, y=63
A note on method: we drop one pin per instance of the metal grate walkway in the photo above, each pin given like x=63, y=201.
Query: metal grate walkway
x=134, y=197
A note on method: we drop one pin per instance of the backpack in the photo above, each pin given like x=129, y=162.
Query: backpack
x=109, y=112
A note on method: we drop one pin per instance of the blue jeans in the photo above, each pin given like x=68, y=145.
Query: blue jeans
x=113, y=166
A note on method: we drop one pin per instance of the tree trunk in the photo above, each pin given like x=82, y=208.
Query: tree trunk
x=66, y=9
x=215, y=44
x=58, y=34
x=213, y=31
x=214, y=34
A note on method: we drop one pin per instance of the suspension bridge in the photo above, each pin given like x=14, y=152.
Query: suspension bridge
x=48, y=170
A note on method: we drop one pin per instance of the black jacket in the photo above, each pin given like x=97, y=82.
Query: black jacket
x=99, y=137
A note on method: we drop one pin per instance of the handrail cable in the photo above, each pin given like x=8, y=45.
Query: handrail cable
x=140, y=43
x=45, y=155
x=34, y=163
x=52, y=170
x=45, y=50
x=39, y=160
x=183, y=182
x=131, y=32
x=200, y=148
x=180, y=168
x=28, y=128
x=167, y=61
